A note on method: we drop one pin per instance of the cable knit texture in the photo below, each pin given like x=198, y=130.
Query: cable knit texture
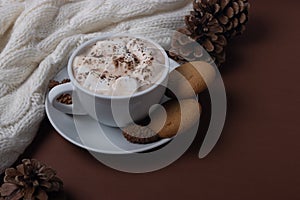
x=36, y=38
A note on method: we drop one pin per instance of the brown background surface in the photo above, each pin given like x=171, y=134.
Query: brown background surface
x=257, y=156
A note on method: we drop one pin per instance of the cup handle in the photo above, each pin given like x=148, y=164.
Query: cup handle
x=55, y=92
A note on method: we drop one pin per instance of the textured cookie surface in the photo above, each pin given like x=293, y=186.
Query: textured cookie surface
x=179, y=117
x=139, y=134
x=190, y=79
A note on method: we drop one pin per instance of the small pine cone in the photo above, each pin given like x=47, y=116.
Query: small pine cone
x=66, y=80
x=52, y=84
x=64, y=98
x=29, y=181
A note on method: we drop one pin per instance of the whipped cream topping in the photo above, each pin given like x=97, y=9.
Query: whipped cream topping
x=119, y=66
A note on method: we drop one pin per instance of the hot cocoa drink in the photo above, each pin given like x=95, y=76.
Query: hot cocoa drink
x=119, y=66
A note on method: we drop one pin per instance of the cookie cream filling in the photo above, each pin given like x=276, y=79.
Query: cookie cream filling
x=119, y=66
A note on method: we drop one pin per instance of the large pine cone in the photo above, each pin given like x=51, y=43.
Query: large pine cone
x=29, y=181
x=188, y=43
x=232, y=15
x=211, y=24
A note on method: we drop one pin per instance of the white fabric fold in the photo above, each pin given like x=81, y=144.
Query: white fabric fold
x=36, y=38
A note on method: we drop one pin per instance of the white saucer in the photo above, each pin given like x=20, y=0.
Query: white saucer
x=89, y=134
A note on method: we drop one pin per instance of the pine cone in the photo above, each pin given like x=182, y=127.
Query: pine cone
x=188, y=43
x=30, y=180
x=64, y=98
x=232, y=15
x=211, y=24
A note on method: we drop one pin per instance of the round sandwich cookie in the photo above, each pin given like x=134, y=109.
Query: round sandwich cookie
x=173, y=117
x=139, y=134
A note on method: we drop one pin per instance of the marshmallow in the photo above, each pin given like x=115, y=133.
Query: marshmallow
x=124, y=86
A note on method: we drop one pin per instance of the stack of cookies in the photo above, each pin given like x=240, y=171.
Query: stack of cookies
x=181, y=111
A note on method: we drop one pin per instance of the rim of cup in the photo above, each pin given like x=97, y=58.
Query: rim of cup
x=99, y=38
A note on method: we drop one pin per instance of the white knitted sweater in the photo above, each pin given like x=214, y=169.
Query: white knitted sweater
x=36, y=38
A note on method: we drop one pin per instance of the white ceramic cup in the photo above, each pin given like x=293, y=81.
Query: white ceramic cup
x=116, y=111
